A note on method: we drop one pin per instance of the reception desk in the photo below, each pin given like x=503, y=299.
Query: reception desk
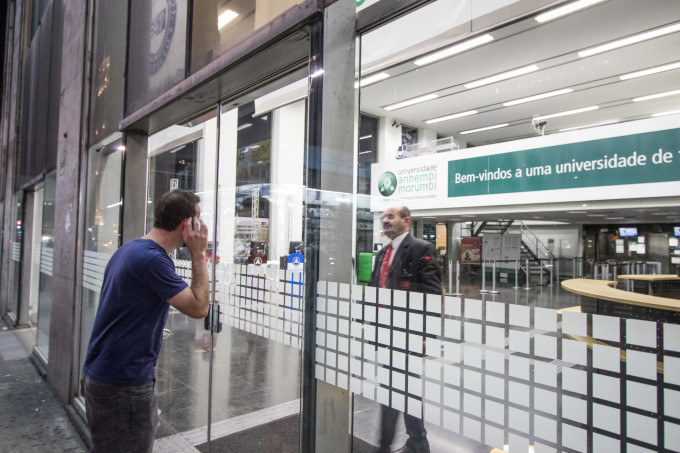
x=652, y=279
x=612, y=301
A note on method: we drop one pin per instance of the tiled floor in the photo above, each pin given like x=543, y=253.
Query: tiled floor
x=32, y=420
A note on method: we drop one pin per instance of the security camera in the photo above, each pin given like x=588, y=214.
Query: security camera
x=538, y=125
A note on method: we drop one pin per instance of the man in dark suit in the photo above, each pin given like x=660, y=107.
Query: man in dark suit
x=407, y=264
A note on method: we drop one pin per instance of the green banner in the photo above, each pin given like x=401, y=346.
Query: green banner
x=632, y=159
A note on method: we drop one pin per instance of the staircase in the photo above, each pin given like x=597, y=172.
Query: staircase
x=531, y=247
x=536, y=252
x=499, y=226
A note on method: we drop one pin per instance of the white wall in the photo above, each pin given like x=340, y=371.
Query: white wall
x=287, y=163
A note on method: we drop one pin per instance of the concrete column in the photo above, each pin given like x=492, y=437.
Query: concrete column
x=335, y=181
x=71, y=151
x=9, y=150
x=134, y=192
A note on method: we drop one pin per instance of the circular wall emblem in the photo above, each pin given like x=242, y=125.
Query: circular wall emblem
x=163, y=18
x=387, y=184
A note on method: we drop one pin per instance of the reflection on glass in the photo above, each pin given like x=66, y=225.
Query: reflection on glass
x=42, y=340
x=157, y=50
x=108, y=65
x=101, y=237
x=218, y=25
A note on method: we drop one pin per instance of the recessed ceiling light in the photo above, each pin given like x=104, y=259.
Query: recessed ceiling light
x=458, y=48
x=650, y=71
x=672, y=112
x=226, y=17
x=538, y=96
x=419, y=99
x=502, y=76
x=451, y=117
x=568, y=112
x=656, y=96
x=366, y=137
x=630, y=40
x=589, y=125
x=487, y=128
x=371, y=79
x=563, y=11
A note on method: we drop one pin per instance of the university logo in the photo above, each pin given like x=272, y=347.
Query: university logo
x=163, y=18
x=387, y=184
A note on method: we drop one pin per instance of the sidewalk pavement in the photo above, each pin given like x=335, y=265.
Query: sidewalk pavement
x=32, y=419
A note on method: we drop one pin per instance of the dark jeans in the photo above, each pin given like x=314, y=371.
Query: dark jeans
x=121, y=419
x=415, y=428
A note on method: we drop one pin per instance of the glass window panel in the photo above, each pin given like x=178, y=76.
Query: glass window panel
x=157, y=50
x=428, y=110
x=101, y=235
x=108, y=67
x=15, y=246
x=44, y=308
x=218, y=25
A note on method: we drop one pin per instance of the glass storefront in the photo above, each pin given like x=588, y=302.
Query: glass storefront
x=508, y=369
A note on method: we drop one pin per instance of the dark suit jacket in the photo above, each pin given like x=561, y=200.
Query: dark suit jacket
x=414, y=268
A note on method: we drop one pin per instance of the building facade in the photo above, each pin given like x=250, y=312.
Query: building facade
x=297, y=122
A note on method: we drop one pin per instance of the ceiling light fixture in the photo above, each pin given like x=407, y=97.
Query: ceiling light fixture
x=563, y=11
x=453, y=50
x=656, y=96
x=672, y=112
x=630, y=40
x=365, y=137
x=419, y=99
x=487, y=128
x=503, y=76
x=568, y=112
x=537, y=97
x=371, y=79
x=244, y=126
x=451, y=117
x=650, y=71
x=585, y=126
x=226, y=17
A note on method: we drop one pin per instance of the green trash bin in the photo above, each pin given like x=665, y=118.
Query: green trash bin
x=365, y=266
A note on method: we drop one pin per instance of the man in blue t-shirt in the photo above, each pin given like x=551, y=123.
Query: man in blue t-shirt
x=140, y=284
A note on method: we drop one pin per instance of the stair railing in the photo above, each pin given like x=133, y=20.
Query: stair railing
x=535, y=245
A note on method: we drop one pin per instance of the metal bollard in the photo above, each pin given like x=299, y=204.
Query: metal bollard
x=595, y=271
x=457, y=293
x=493, y=279
x=483, y=290
x=528, y=274
x=552, y=266
x=573, y=268
x=450, y=275
x=540, y=282
x=516, y=275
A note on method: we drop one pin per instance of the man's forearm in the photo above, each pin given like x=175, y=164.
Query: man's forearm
x=199, y=280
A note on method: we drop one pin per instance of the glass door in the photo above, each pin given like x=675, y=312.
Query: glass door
x=259, y=260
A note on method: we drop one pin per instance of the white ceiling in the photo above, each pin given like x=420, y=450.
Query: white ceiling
x=552, y=46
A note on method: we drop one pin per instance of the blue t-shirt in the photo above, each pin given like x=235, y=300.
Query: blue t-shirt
x=128, y=329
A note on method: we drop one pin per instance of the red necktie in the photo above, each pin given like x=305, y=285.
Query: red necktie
x=385, y=267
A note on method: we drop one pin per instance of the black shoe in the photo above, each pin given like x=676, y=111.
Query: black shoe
x=407, y=449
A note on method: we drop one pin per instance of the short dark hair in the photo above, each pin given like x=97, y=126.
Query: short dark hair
x=173, y=207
